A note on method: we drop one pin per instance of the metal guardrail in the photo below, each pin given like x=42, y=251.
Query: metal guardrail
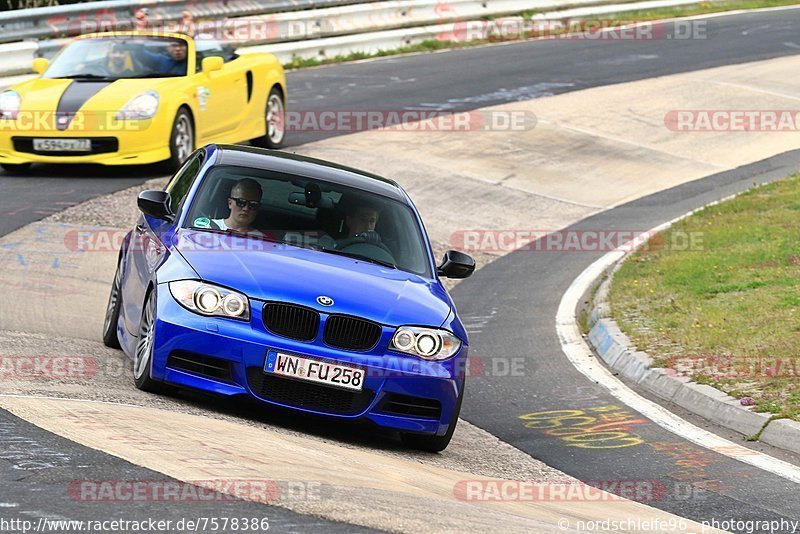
x=368, y=27
x=70, y=20
x=277, y=21
x=427, y=27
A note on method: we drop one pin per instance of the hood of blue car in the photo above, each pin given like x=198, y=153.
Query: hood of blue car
x=271, y=271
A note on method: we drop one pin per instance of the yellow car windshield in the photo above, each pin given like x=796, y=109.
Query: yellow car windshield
x=123, y=57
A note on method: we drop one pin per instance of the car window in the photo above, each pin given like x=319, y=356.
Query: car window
x=180, y=184
x=311, y=213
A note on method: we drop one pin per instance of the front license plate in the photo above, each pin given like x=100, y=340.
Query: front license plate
x=62, y=145
x=291, y=365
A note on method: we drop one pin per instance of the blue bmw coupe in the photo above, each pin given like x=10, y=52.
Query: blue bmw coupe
x=301, y=283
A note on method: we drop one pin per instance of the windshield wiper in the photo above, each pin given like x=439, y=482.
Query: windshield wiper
x=152, y=75
x=357, y=256
x=85, y=77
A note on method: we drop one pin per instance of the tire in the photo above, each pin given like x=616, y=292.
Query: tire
x=16, y=168
x=429, y=443
x=143, y=356
x=181, y=141
x=275, y=121
x=113, y=307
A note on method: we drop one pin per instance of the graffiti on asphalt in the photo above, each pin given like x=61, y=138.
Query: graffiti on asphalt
x=599, y=427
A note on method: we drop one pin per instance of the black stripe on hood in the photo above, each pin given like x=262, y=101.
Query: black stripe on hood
x=74, y=97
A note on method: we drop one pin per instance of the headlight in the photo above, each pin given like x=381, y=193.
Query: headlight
x=427, y=343
x=9, y=104
x=143, y=106
x=210, y=300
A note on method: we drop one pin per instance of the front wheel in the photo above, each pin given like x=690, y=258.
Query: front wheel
x=274, y=121
x=143, y=358
x=181, y=141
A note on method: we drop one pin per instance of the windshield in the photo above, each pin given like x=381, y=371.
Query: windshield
x=112, y=58
x=310, y=213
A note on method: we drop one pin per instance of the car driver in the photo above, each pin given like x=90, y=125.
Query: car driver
x=244, y=203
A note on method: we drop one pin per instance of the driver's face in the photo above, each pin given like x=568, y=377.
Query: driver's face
x=116, y=57
x=243, y=217
x=177, y=51
x=364, y=219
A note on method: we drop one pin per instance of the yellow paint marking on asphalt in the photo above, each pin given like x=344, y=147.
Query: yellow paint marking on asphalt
x=191, y=448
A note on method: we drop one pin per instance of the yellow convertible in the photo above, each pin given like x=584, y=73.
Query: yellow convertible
x=122, y=98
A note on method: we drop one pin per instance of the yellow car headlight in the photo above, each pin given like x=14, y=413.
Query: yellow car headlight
x=142, y=106
x=9, y=104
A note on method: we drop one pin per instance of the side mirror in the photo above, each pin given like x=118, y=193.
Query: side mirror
x=155, y=204
x=456, y=264
x=210, y=64
x=40, y=65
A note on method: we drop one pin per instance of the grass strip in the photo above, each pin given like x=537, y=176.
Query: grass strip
x=717, y=296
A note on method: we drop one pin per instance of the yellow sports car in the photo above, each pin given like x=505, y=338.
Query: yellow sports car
x=122, y=98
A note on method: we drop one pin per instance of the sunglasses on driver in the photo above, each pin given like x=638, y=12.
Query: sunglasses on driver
x=242, y=202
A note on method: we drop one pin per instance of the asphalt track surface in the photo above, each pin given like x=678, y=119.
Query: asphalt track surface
x=509, y=305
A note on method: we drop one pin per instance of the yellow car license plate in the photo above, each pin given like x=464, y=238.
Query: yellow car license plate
x=62, y=145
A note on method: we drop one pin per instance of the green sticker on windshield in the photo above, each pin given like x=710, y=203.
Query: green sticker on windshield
x=202, y=222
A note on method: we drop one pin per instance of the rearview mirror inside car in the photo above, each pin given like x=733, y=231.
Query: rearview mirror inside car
x=303, y=199
x=456, y=264
x=155, y=204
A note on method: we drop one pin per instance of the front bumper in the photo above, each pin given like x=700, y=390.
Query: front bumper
x=113, y=142
x=392, y=383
